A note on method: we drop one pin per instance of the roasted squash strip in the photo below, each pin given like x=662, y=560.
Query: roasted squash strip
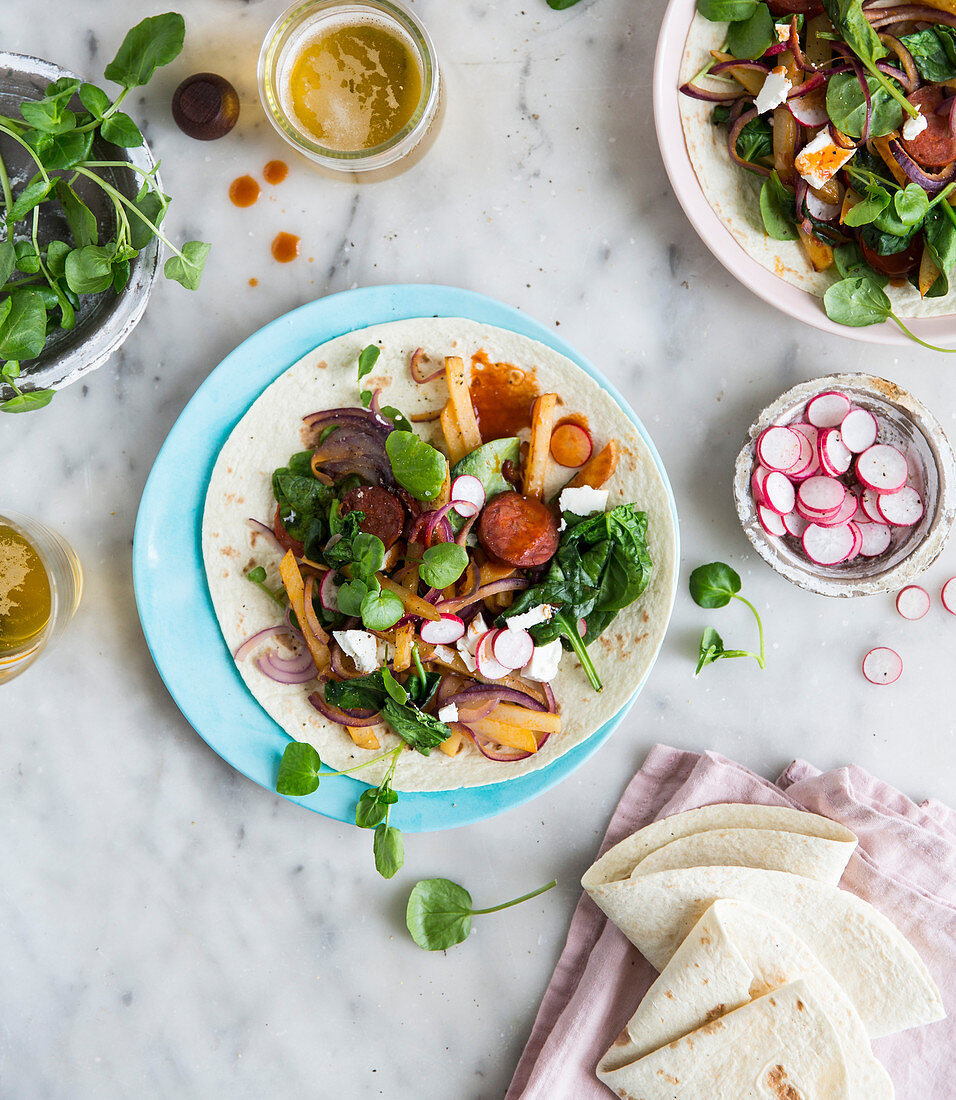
x=316, y=641
x=454, y=440
x=539, y=452
x=928, y=273
x=514, y=715
x=506, y=734
x=413, y=604
x=750, y=79
x=364, y=737
x=461, y=402
x=597, y=470
x=403, y=648
x=818, y=252
x=451, y=746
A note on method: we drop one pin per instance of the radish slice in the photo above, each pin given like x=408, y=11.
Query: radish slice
x=807, y=430
x=778, y=493
x=901, y=509
x=329, y=591
x=948, y=595
x=835, y=457
x=870, y=506
x=859, y=430
x=795, y=524
x=821, y=495
x=882, y=666
x=757, y=482
x=512, y=648
x=778, y=448
x=912, y=602
x=876, y=539
x=490, y=668
x=846, y=512
x=857, y=542
x=828, y=545
x=468, y=489
x=582, y=626
x=828, y=409
x=882, y=468
x=771, y=521
x=445, y=631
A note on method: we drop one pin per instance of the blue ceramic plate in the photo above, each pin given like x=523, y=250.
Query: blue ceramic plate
x=169, y=578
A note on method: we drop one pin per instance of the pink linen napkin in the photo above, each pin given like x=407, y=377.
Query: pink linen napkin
x=905, y=866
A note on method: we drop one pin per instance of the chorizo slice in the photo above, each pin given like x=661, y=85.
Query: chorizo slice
x=935, y=147
x=518, y=530
x=384, y=513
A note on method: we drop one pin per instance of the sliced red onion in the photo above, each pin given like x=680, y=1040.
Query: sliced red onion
x=840, y=139
x=905, y=59
x=690, y=89
x=475, y=712
x=509, y=584
x=732, y=136
x=932, y=183
x=549, y=695
x=793, y=45
x=894, y=74
x=466, y=530
x=265, y=529
x=287, y=670
x=344, y=717
x=752, y=66
x=908, y=13
x=473, y=695
x=339, y=667
x=293, y=630
x=328, y=591
x=807, y=103
x=260, y=636
x=809, y=8
x=415, y=366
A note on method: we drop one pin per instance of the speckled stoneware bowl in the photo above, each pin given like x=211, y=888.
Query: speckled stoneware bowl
x=904, y=423
x=103, y=321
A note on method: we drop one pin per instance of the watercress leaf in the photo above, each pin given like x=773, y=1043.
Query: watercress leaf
x=27, y=402
x=934, y=52
x=777, y=209
x=438, y=914
x=79, y=217
x=443, y=564
x=713, y=585
x=366, y=398
x=846, y=106
x=711, y=648
x=911, y=204
x=849, y=262
x=10, y=369
x=888, y=223
x=257, y=575
x=367, y=360
x=362, y=693
x=726, y=11
x=416, y=465
x=399, y=419
x=8, y=259
x=351, y=596
x=420, y=730
x=61, y=151
x=51, y=116
x=381, y=610
x=67, y=309
x=89, y=270
x=298, y=770
x=370, y=809
x=389, y=850
x=28, y=259
x=94, y=99
x=120, y=275
x=856, y=302
x=63, y=89
x=393, y=687
x=869, y=208
x=752, y=37
x=368, y=554
x=32, y=195
x=155, y=41
x=187, y=269
x=121, y=130
x=23, y=331
x=152, y=205
x=56, y=254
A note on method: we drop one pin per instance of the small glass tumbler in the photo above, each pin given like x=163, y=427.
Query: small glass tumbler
x=308, y=18
x=26, y=547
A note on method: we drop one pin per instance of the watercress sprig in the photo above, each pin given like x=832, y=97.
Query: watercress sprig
x=861, y=301
x=712, y=586
x=439, y=912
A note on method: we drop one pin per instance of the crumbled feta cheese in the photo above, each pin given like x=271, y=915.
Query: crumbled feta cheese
x=782, y=31
x=543, y=665
x=583, y=500
x=822, y=158
x=913, y=127
x=361, y=646
x=536, y=615
x=444, y=653
x=774, y=91
x=449, y=713
x=468, y=643
x=468, y=658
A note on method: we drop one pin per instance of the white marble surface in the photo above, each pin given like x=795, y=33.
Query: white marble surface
x=170, y=929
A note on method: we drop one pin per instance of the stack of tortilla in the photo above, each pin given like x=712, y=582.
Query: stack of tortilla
x=772, y=979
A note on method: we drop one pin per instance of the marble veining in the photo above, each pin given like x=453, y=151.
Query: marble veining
x=168, y=928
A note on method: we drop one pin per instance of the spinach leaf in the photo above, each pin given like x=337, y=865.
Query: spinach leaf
x=439, y=911
x=303, y=504
x=726, y=11
x=846, y=106
x=777, y=209
x=420, y=730
x=752, y=37
x=755, y=140
x=299, y=770
x=887, y=241
x=939, y=238
x=601, y=566
x=416, y=465
x=443, y=564
x=934, y=52
x=155, y=41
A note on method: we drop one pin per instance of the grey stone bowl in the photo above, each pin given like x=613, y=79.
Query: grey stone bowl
x=906, y=424
x=104, y=320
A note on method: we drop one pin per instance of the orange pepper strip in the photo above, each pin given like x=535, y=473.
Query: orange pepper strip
x=506, y=734
x=597, y=470
x=413, y=604
x=316, y=641
x=454, y=440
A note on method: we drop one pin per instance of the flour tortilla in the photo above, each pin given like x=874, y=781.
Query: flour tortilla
x=734, y=193
x=773, y=837
x=734, y=953
x=781, y=1046
x=865, y=953
x=271, y=431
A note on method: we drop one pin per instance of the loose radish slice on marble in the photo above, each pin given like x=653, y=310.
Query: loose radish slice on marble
x=795, y=524
x=444, y=631
x=912, y=602
x=467, y=488
x=882, y=666
x=948, y=595
x=778, y=448
x=771, y=521
x=845, y=513
x=882, y=468
x=901, y=509
x=835, y=457
x=778, y=493
x=859, y=430
x=512, y=648
x=828, y=409
x=870, y=506
x=821, y=495
x=827, y=545
x=876, y=538
x=488, y=666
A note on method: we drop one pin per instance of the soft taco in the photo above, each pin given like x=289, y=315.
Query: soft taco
x=404, y=575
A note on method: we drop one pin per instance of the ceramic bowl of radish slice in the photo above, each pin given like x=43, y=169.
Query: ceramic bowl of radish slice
x=846, y=486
